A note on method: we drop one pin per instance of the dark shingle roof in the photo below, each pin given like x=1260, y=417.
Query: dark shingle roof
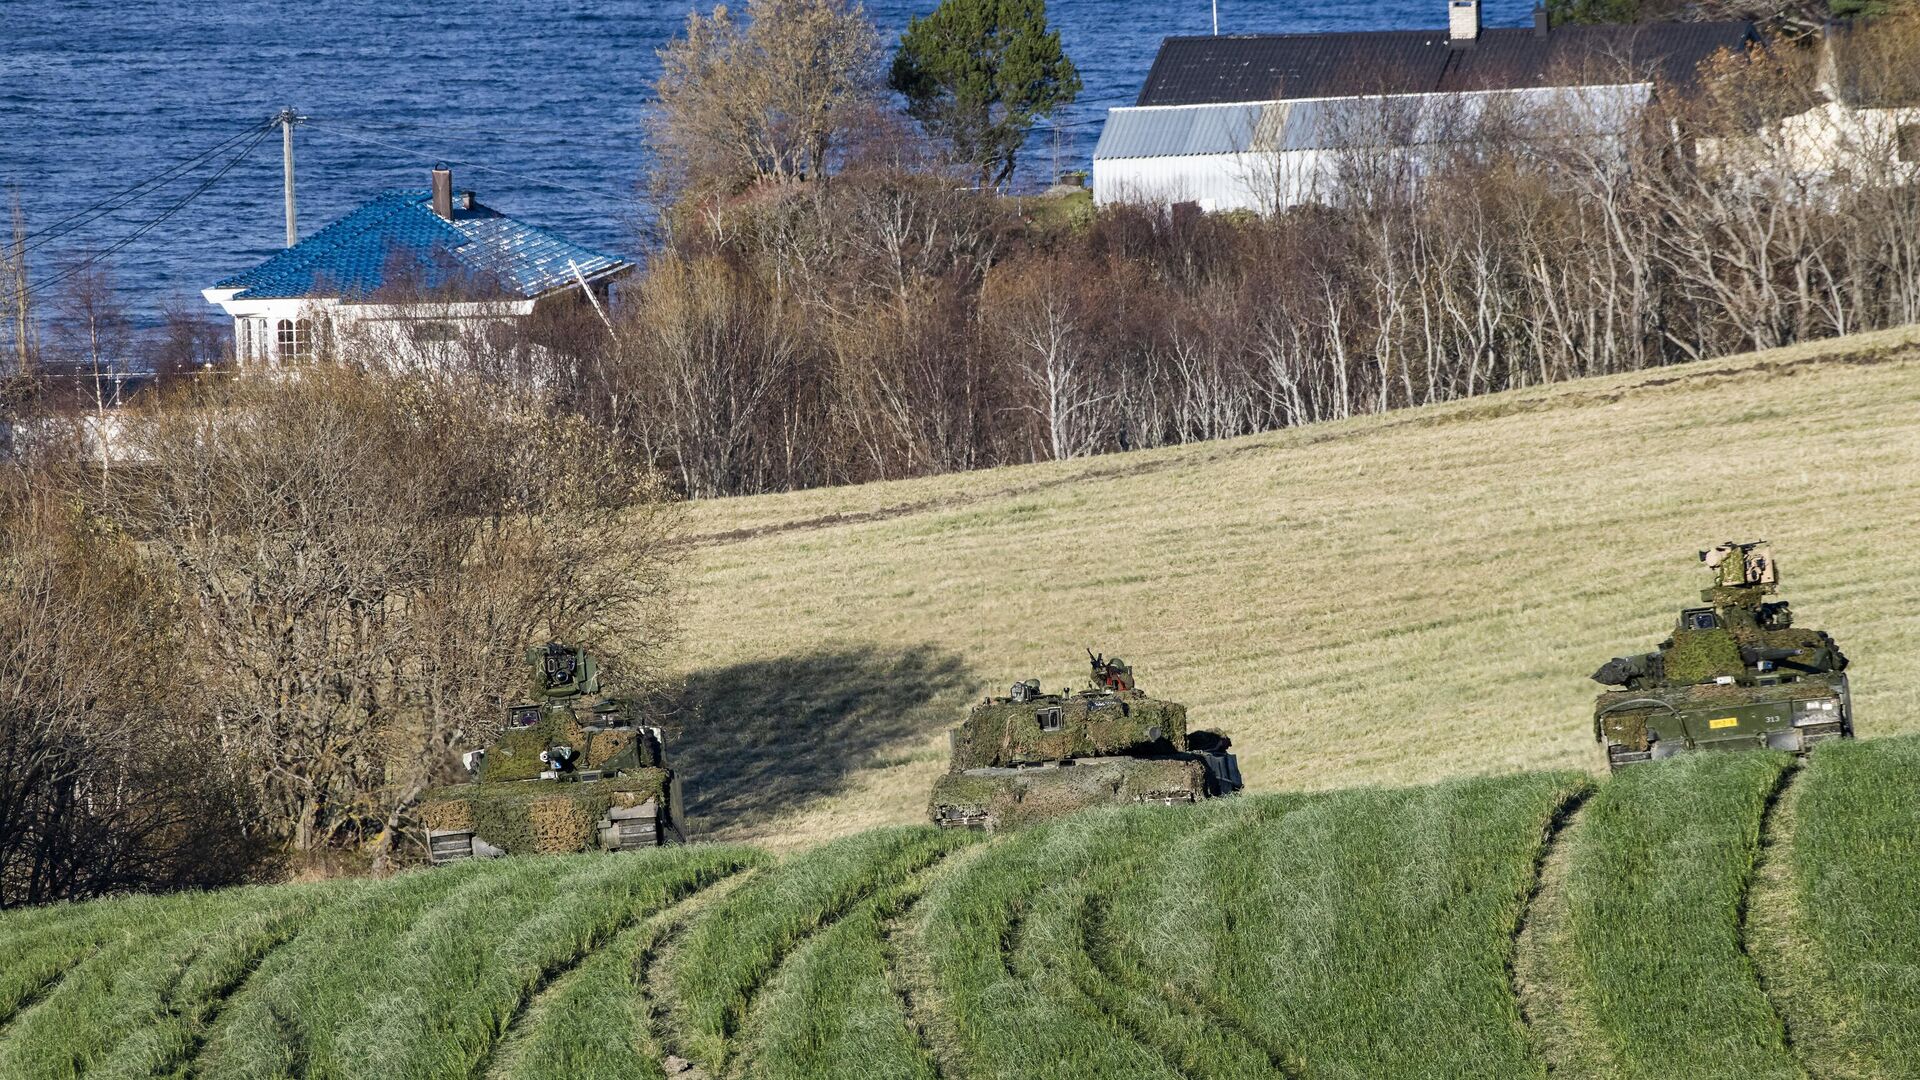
x=398, y=234
x=1283, y=67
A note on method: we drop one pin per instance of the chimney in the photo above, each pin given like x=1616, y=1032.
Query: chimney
x=1463, y=22
x=1541, y=22
x=443, y=192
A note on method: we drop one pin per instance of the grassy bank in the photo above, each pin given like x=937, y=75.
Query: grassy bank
x=1715, y=916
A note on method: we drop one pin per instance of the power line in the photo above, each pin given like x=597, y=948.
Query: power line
x=126, y=196
x=476, y=165
x=260, y=135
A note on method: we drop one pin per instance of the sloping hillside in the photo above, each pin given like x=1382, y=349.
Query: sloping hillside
x=1715, y=916
x=1387, y=600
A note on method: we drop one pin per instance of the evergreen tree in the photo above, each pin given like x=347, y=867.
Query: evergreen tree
x=977, y=73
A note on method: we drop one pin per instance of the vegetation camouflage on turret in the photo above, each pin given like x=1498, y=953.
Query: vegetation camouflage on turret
x=1030, y=755
x=556, y=780
x=1735, y=674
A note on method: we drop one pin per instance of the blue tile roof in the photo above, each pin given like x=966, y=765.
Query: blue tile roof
x=397, y=236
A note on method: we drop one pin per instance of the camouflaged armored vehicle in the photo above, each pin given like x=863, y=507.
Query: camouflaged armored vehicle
x=562, y=776
x=1735, y=675
x=1030, y=755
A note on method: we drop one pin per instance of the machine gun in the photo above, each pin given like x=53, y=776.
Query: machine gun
x=1115, y=675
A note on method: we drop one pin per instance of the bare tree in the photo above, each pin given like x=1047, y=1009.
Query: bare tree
x=766, y=97
x=363, y=556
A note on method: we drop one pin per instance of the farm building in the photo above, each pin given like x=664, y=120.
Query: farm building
x=410, y=271
x=1267, y=121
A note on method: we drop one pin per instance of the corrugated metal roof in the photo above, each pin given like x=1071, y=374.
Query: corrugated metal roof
x=1336, y=123
x=1285, y=67
x=398, y=236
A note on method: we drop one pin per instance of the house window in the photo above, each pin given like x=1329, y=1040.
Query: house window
x=295, y=339
x=1049, y=719
x=1907, y=142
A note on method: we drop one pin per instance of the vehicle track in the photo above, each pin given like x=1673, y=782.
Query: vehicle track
x=1100, y=1011
x=910, y=972
x=1792, y=971
x=186, y=1061
x=1543, y=1013
x=1766, y=862
x=47, y=986
x=493, y=1061
x=1091, y=919
x=890, y=905
x=660, y=931
x=737, y=1020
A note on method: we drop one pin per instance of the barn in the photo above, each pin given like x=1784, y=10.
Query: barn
x=1266, y=121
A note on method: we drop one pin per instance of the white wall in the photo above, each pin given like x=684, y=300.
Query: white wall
x=1263, y=182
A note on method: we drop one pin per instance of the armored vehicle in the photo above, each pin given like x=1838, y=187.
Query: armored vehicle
x=1735, y=675
x=563, y=775
x=1031, y=755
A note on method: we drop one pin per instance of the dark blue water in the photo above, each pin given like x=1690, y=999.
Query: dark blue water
x=96, y=97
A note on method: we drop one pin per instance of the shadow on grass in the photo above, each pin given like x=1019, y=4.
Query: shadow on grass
x=762, y=739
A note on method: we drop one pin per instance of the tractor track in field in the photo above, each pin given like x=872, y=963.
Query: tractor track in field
x=910, y=975
x=1092, y=922
x=1766, y=844
x=186, y=1062
x=750, y=994
x=47, y=986
x=1545, y=1013
x=1084, y=999
x=1561, y=401
x=666, y=926
x=553, y=974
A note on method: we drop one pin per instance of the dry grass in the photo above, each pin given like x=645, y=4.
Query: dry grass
x=1387, y=600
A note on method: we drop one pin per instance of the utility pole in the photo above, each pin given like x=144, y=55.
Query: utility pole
x=1216, y=25
x=287, y=119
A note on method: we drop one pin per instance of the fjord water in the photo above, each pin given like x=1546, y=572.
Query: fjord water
x=98, y=96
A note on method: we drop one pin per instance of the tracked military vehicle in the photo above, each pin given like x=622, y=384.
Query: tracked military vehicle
x=563, y=775
x=1735, y=675
x=1031, y=755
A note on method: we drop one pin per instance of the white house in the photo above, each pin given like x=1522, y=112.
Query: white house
x=1866, y=131
x=410, y=269
x=1267, y=121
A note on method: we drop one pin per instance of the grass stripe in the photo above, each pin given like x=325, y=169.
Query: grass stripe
x=593, y=1023
x=1658, y=871
x=833, y=1009
x=1851, y=979
x=138, y=1005
x=1363, y=933
x=729, y=953
x=1013, y=1011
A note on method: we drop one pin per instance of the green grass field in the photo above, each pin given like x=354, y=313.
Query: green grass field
x=1717, y=915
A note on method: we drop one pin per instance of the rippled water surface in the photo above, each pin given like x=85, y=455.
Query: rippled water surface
x=97, y=97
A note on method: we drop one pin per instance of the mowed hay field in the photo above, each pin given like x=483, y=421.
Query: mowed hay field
x=1714, y=916
x=1387, y=600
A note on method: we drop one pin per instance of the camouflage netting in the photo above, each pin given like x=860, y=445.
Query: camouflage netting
x=1012, y=797
x=515, y=755
x=1703, y=655
x=539, y=817
x=1008, y=733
